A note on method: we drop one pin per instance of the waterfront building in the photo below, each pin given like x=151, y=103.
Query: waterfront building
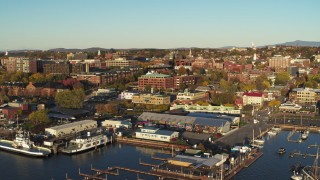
x=116, y=123
x=197, y=124
x=150, y=99
x=304, y=96
x=71, y=128
x=206, y=108
x=156, y=134
x=290, y=107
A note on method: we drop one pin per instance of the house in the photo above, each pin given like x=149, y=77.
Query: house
x=156, y=134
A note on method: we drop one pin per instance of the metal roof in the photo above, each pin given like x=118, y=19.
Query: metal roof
x=69, y=125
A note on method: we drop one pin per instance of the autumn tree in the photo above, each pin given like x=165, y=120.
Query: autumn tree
x=37, y=77
x=39, y=117
x=111, y=108
x=274, y=103
x=182, y=71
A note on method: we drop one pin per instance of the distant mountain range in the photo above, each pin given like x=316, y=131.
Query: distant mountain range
x=95, y=49
x=301, y=43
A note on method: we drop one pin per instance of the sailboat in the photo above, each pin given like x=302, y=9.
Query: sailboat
x=254, y=144
x=312, y=172
x=260, y=139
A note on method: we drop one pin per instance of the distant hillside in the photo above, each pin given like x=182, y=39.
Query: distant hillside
x=93, y=49
x=301, y=43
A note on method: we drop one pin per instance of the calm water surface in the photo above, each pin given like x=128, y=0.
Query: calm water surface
x=270, y=166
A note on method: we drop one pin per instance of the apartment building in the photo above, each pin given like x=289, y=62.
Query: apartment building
x=150, y=99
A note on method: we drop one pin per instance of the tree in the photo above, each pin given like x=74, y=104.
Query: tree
x=274, y=103
x=37, y=77
x=39, y=117
x=111, y=108
x=182, y=71
x=282, y=78
x=70, y=98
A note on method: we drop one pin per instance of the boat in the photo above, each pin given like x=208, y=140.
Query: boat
x=87, y=141
x=296, y=176
x=259, y=140
x=282, y=151
x=305, y=135
x=23, y=145
x=254, y=143
x=272, y=133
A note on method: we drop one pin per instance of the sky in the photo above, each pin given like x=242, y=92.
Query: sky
x=46, y=24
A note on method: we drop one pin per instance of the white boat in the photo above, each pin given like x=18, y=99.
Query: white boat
x=23, y=145
x=296, y=176
x=305, y=135
x=259, y=140
x=86, y=142
x=272, y=132
x=254, y=144
x=276, y=129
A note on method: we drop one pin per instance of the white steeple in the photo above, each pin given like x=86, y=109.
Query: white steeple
x=99, y=53
x=6, y=52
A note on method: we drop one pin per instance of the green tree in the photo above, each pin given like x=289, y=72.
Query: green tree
x=39, y=117
x=282, y=78
x=70, y=98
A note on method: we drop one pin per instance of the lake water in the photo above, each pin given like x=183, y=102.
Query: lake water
x=269, y=166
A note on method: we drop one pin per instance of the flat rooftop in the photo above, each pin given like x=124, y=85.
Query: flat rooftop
x=64, y=126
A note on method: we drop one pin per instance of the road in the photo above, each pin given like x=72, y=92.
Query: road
x=244, y=134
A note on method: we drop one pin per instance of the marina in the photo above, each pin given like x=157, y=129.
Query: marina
x=107, y=159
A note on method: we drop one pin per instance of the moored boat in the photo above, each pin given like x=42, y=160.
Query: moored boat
x=282, y=151
x=296, y=176
x=23, y=145
x=87, y=142
x=305, y=135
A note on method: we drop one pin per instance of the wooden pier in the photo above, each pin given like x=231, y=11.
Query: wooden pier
x=291, y=134
x=153, y=144
x=250, y=160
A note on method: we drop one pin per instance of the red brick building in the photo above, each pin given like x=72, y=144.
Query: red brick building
x=160, y=81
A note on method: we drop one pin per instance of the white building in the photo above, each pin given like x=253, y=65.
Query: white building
x=101, y=92
x=156, y=134
x=127, y=95
x=71, y=128
x=253, y=98
x=112, y=123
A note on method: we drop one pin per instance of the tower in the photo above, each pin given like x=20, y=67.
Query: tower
x=99, y=53
x=6, y=54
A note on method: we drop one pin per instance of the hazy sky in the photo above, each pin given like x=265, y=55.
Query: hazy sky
x=45, y=24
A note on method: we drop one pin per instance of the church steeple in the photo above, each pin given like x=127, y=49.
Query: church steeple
x=6, y=54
